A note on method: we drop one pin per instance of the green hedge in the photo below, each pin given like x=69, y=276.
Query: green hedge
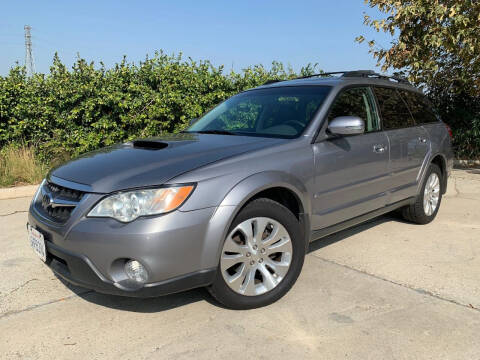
x=462, y=112
x=70, y=111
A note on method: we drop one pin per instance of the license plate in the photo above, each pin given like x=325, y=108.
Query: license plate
x=37, y=242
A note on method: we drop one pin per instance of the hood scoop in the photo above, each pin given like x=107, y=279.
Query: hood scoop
x=149, y=144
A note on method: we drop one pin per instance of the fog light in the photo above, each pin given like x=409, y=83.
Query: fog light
x=136, y=271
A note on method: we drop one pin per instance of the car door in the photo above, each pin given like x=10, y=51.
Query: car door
x=409, y=143
x=351, y=172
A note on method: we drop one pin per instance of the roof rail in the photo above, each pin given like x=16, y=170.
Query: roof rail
x=272, y=81
x=359, y=73
x=373, y=74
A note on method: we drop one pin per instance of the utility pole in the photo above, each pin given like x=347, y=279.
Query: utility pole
x=29, y=63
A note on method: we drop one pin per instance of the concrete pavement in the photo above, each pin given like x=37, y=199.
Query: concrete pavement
x=17, y=192
x=382, y=290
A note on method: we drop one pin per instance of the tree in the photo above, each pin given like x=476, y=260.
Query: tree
x=437, y=42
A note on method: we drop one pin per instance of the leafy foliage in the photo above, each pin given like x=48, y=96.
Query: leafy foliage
x=437, y=45
x=68, y=112
x=462, y=112
x=435, y=39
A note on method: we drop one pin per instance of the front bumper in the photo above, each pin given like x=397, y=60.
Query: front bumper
x=179, y=249
x=78, y=270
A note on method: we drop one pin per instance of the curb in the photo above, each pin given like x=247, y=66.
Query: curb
x=18, y=192
x=466, y=163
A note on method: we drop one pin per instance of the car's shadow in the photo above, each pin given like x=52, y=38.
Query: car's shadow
x=168, y=302
x=341, y=235
x=142, y=305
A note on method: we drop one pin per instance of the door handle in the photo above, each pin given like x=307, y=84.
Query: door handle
x=422, y=139
x=379, y=148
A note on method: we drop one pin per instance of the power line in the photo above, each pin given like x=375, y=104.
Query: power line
x=29, y=62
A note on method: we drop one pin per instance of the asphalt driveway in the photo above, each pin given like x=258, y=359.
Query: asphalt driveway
x=384, y=289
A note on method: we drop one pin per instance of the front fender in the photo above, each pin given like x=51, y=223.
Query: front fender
x=254, y=184
x=239, y=195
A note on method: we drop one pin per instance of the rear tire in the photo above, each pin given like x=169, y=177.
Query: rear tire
x=268, y=251
x=427, y=202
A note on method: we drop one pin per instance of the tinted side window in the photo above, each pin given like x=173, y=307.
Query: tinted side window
x=393, y=110
x=420, y=107
x=356, y=102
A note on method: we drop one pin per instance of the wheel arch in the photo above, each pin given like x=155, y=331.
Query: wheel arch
x=441, y=162
x=275, y=185
x=438, y=159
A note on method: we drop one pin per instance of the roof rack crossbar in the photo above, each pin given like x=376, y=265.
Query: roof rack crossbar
x=359, y=73
x=272, y=81
x=321, y=74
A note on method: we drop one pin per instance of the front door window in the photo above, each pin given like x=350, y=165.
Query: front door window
x=356, y=102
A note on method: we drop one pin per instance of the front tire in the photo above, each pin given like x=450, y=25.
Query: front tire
x=261, y=257
x=427, y=202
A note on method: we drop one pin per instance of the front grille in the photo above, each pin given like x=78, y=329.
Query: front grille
x=56, y=202
x=63, y=192
x=58, y=214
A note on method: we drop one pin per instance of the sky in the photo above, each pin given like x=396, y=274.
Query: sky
x=235, y=34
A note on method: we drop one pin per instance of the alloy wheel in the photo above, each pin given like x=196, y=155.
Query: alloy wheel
x=256, y=256
x=431, y=194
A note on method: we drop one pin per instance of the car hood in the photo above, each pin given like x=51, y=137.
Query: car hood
x=154, y=161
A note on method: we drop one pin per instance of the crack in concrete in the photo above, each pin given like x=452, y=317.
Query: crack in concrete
x=33, y=307
x=458, y=193
x=417, y=290
x=455, y=187
x=18, y=287
x=13, y=213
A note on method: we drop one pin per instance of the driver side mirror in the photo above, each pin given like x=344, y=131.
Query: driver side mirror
x=346, y=125
x=192, y=121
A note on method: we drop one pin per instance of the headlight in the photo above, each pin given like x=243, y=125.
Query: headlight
x=127, y=206
x=39, y=190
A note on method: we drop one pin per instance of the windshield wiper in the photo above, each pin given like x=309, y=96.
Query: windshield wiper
x=219, y=132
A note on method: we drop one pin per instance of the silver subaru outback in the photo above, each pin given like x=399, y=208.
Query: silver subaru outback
x=233, y=202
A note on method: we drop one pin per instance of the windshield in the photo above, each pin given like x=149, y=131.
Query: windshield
x=274, y=112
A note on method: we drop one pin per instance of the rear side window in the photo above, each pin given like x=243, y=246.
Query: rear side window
x=420, y=107
x=393, y=110
x=356, y=102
